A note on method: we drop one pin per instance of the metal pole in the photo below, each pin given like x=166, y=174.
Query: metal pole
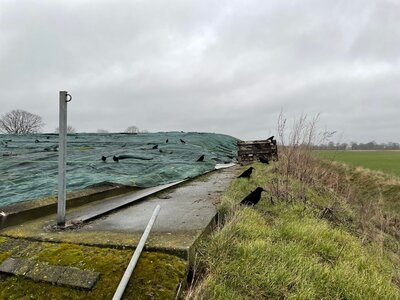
x=62, y=161
x=128, y=272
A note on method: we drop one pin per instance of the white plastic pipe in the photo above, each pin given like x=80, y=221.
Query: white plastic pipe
x=132, y=264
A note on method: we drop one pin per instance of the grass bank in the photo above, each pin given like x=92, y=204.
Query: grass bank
x=304, y=240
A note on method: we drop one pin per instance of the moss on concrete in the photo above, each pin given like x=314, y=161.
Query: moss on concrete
x=4, y=255
x=176, y=243
x=156, y=276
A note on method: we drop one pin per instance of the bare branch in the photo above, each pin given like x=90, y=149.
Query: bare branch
x=20, y=121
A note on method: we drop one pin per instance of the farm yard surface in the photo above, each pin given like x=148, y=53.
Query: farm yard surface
x=386, y=161
x=104, y=246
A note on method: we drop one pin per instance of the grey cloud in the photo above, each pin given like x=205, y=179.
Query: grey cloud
x=221, y=66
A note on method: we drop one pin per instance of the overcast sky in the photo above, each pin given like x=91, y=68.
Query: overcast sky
x=213, y=66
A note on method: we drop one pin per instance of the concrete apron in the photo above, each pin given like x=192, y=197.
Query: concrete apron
x=187, y=211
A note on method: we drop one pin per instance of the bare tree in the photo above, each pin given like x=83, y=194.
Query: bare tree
x=70, y=129
x=20, y=121
x=132, y=129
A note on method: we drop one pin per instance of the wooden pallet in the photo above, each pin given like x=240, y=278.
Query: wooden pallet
x=250, y=151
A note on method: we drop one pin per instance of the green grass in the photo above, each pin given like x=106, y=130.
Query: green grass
x=285, y=250
x=385, y=161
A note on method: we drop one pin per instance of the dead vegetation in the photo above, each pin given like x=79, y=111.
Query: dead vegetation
x=372, y=196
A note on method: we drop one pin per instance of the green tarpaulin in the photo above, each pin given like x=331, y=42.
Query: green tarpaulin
x=29, y=163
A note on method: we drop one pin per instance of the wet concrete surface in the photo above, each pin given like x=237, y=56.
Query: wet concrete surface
x=93, y=210
x=188, y=207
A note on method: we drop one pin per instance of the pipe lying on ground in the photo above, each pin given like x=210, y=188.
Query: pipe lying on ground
x=129, y=270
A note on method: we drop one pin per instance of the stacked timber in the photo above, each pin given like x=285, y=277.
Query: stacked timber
x=251, y=151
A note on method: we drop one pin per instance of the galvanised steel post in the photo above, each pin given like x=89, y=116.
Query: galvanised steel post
x=62, y=158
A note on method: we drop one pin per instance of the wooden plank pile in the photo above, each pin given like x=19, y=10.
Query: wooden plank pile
x=252, y=151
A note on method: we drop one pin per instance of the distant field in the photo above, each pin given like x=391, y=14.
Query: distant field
x=385, y=161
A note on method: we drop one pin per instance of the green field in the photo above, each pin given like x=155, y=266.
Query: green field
x=385, y=161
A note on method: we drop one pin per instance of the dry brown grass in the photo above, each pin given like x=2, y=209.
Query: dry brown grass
x=372, y=195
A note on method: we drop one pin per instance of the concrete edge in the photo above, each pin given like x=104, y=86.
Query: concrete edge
x=128, y=202
x=187, y=253
x=191, y=255
x=28, y=210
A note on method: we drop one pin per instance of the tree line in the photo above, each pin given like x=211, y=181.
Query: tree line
x=358, y=146
x=20, y=121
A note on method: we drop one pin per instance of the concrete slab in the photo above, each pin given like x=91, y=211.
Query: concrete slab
x=23, y=267
x=45, y=272
x=16, y=266
x=9, y=265
x=78, y=278
x=50, y=274
x=186, y=208
x=186, y=211
x=97, y=209
x=100, y=208
x=40, y=271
